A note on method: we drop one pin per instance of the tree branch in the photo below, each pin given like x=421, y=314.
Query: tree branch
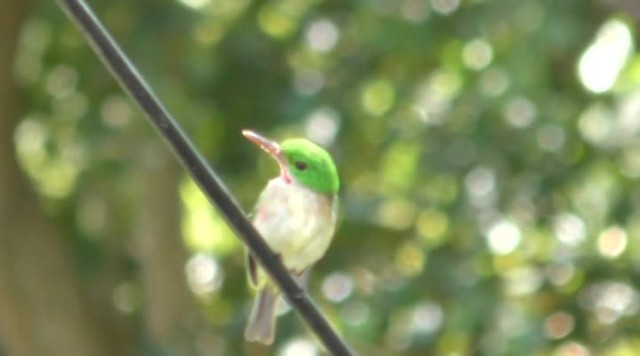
x=133, y=83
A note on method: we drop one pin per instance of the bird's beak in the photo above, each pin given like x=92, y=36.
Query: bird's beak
x=267, y=145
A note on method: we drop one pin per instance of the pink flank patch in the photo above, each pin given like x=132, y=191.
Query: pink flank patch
x=262, y=214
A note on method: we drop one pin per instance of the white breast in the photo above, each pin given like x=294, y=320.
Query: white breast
x=296, y=222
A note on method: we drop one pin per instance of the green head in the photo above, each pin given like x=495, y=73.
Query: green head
x=303, y=161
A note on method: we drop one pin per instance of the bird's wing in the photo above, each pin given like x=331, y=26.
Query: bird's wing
x=302, y=278
x=252, y=268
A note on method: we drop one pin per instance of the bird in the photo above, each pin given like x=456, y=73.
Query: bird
x=296, y=214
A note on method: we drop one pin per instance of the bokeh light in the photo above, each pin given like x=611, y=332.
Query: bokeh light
x=298, y=347
x=602, y=61
x=322, y=35
x=612, y=242
x=610, y=300
x=204, y=274
x=202, y=226
x=355, y=313
x=558, y=325
x=323, y=125
x=520, y=112
x=503, y=237
x=445, y=7
x=378, y=97
x=477, y=54
x=309, y=81
x=337, y=287
x=569, y=229
x=481, y=186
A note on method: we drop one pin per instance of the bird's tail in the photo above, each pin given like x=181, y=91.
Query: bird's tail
x=262, y=322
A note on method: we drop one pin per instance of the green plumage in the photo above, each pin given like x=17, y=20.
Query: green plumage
x=320, y=175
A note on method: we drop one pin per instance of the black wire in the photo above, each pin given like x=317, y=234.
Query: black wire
x=134, y=84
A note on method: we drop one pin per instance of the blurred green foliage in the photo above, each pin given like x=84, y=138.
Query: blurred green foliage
x=488, y=151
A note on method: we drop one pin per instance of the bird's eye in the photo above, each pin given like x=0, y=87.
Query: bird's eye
x=301, y=166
